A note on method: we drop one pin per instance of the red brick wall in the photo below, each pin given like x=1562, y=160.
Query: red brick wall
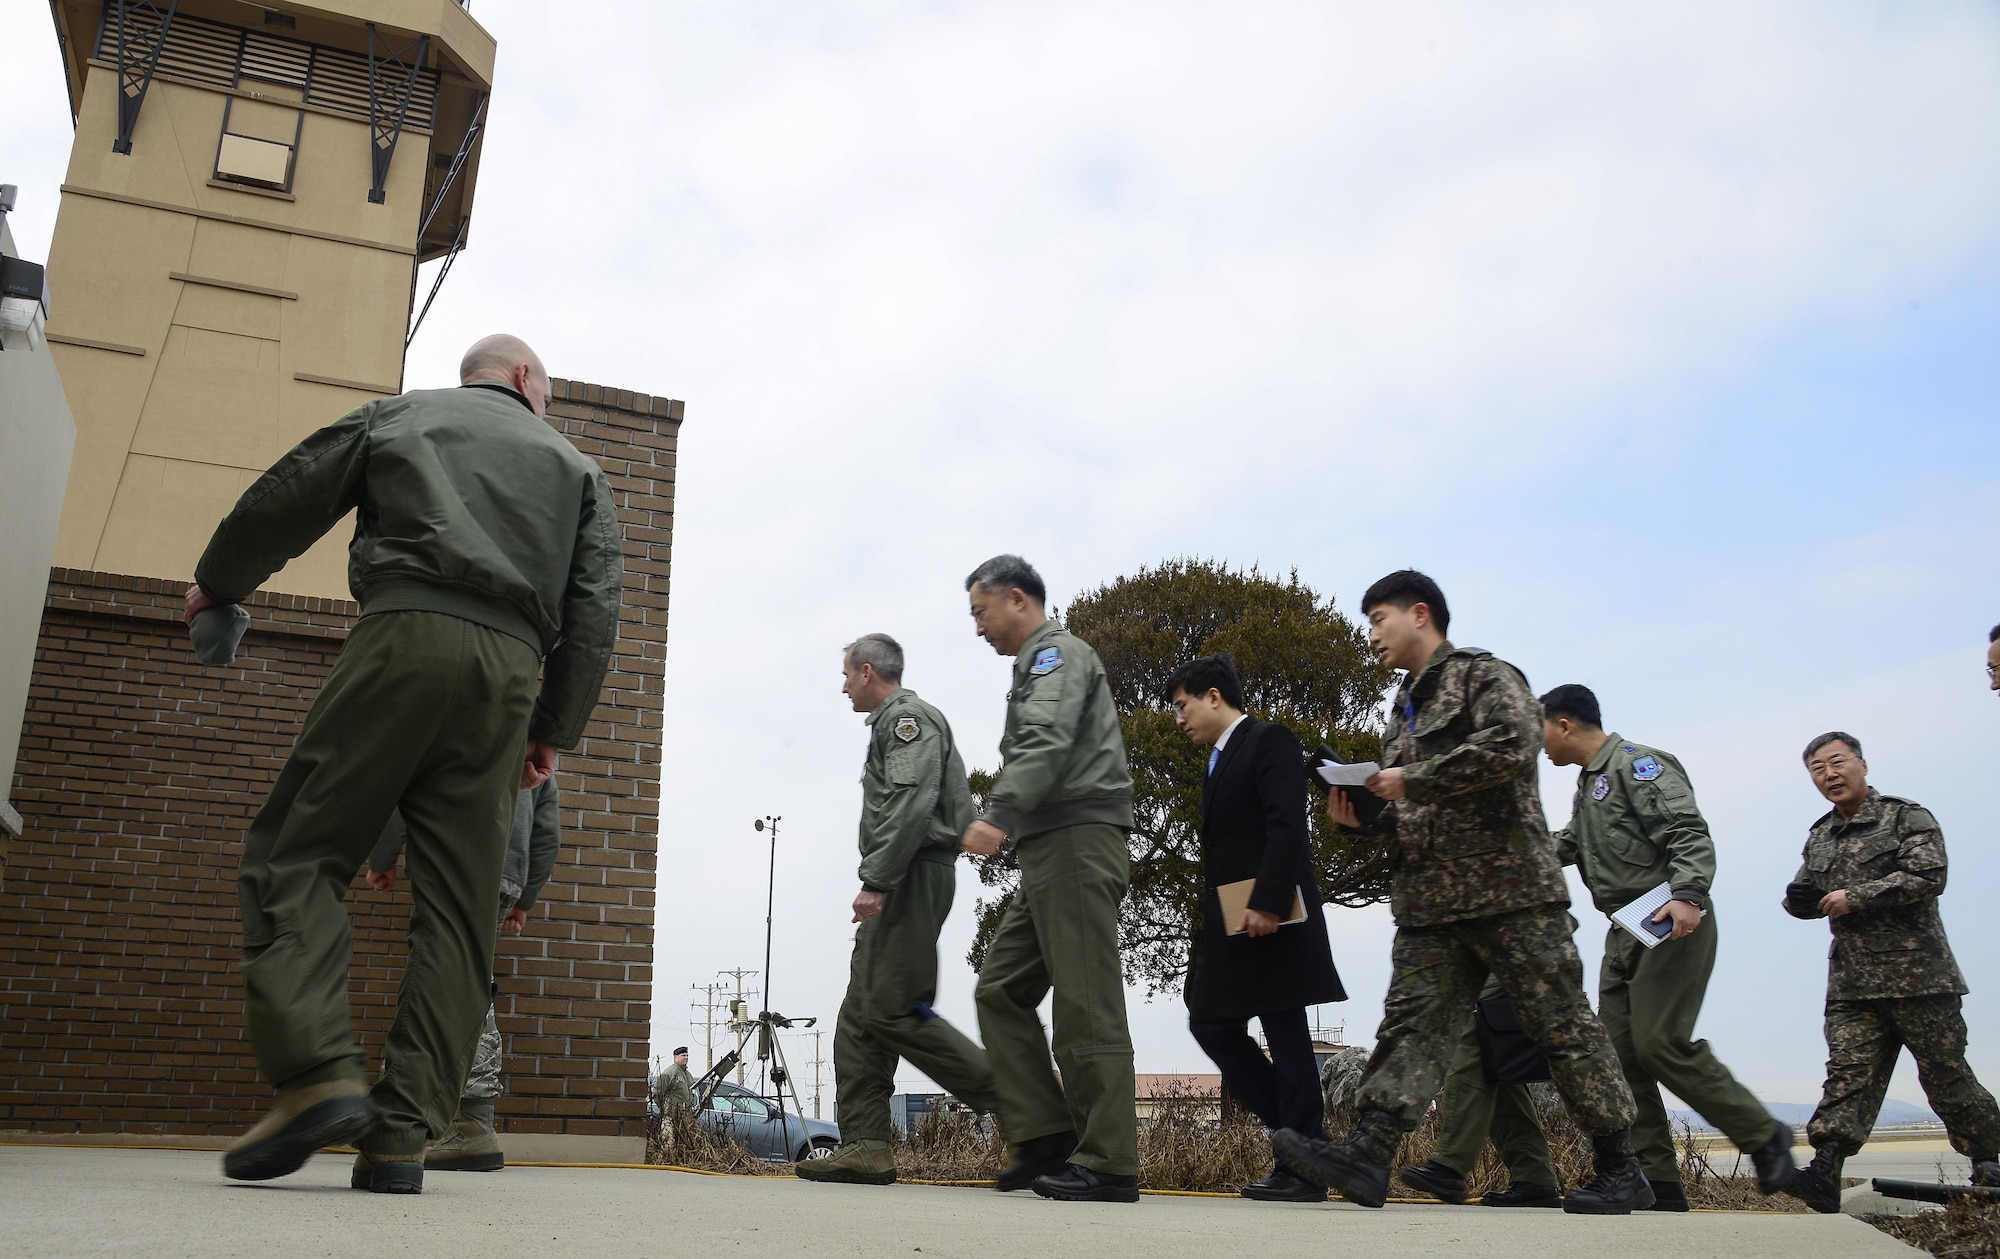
x=120, y=1001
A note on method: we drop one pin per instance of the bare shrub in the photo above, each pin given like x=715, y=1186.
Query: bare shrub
x=1184, y=1146
x=950, y=1146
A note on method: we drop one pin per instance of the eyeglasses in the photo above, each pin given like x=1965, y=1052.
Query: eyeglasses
x=1992, y=671
x=1828, y=766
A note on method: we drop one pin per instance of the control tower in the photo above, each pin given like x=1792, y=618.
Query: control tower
x=251, y=189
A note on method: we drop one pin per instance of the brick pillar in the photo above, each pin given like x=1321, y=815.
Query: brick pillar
x=120, y=998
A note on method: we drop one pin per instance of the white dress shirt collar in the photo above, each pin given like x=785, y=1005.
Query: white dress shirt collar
x=1224, y=740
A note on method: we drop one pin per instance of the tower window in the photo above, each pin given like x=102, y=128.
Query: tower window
x=259, y=145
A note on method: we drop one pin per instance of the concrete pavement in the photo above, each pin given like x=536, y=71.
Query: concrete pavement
x=96, y=1201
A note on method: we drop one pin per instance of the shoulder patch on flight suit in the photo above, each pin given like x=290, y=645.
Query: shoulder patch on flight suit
x=1601, y=788
x=1626, y=747
x=1647, y=768
x=906, y=729
x=1047, y=660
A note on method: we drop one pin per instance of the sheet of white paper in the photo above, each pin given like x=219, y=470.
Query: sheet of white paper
x=1347, y=775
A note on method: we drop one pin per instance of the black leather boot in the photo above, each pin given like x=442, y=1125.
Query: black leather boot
x=1084, y=1184
x=1040, y=1156
x=1619, y=1187
x=1522, y=1194
x=1773, y=1161
x=1357, y=1168
x=1282, y=1186
x=1437, y=1180
x=1818, y=1183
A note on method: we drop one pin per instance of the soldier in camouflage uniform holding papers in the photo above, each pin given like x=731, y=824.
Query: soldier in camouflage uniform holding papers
x=1476, y=891
x=1064, y=804
x=1875, y=866
x=914, y=807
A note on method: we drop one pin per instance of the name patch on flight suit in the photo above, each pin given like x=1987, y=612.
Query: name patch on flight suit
x=1601, y=788
x=906, y=729
x=1646, y=769
x=1047, y=660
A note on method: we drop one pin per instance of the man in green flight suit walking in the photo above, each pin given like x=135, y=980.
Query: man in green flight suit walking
x=1064, y=802
x=915, y=806
x=487, y=562
x=1634, y=826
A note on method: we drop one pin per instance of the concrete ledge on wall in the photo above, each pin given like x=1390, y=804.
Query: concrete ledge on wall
x=562, y=1147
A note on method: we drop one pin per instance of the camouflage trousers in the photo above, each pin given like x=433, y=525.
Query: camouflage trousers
x=484, y=1078
x=1863, y=1041
x=1437, y=973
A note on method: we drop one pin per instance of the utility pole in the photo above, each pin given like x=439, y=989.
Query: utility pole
x=818, y=1061
x=706, y=1004
x=738, y=975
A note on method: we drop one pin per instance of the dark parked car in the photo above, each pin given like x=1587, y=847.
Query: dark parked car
x=735, y=1112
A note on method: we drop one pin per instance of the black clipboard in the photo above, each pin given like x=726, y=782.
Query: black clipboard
x=1367, y=805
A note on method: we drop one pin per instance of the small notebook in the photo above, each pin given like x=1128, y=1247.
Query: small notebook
x=1235, y=898
x=1637, y=917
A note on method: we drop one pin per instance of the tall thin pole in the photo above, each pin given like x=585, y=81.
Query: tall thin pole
x=819, y=1060
x=770, y=900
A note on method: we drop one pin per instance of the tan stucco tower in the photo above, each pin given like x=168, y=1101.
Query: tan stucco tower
x=250, y=192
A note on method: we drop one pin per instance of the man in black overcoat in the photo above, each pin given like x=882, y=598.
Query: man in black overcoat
x=1252, y=959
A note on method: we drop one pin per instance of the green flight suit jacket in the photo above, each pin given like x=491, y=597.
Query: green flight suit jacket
x=914, y=797
x=465, y=503
x=1062, y=752
x=1634, y=826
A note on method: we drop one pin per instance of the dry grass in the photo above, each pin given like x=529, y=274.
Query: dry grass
x=680, y=1139
x=1184, y=1147
x=950, y=1146
x=1967, y=1228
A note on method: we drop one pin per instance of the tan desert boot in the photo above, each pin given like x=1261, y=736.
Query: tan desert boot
x=388, y=1173
x=855, y=1163
x=470, y=1144
x=300, y=1122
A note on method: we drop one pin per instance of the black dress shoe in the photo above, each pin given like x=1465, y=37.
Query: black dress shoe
x=1522, y=1194
x=1037, y=1157
x=1668, y=1195
x=1348, y=1166
x=1081, y=1184
x=1437, y=1180
x=1282, y=1186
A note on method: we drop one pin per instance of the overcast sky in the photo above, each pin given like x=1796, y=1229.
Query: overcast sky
x=1663, y=339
